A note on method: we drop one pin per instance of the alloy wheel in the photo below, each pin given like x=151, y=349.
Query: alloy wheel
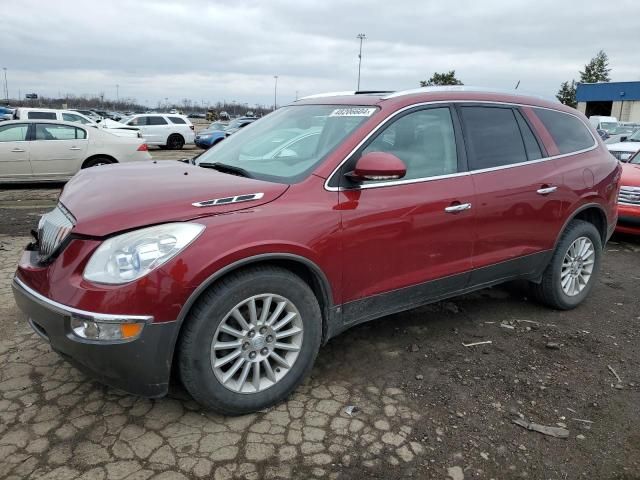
x=257, y=343
x=577, y=266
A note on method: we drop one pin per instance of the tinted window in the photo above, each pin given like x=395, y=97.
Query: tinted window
x=177, y=120
x=156, y=121
x=493, y=137
x=46, y=131
x=13, y=133
x=567, y=131
x=530, y=142
x=138, y=121
x=423, y=140
x=41, y=115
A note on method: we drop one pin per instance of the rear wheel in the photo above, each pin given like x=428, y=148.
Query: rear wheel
x=175, y=142
x=250, y=340
x=95, y=161
x=575, y=264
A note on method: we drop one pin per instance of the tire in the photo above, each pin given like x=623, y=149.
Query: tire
x=550, y=290
x=95, y=161
x=175, y=142
x=197, y=360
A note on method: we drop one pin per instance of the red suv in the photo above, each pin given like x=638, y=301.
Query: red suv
x=234, y=268
x=629, y=198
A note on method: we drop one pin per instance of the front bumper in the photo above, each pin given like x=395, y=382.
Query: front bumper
x=141, y=366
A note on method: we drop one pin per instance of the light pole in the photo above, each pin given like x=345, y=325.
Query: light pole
x=6, y=85
x=360, y=36
x=275, y=93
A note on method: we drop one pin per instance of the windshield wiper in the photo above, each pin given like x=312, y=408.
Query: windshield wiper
x=230, y=169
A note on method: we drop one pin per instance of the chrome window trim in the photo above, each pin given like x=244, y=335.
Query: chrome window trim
x=458, y=174
x=75, y=312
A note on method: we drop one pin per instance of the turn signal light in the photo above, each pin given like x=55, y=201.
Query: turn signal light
x=143, y=148
x=130, y=330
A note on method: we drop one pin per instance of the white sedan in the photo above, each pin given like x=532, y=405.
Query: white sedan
x=44, y=150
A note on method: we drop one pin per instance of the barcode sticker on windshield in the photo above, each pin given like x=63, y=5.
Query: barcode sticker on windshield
x=353, y=112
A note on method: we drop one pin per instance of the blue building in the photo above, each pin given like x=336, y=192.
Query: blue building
x=613, y=99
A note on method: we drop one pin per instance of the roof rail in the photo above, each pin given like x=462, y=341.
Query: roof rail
x=462, y=88
x=328, y=94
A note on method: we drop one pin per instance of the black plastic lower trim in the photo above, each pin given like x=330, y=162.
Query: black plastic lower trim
x=529, y=267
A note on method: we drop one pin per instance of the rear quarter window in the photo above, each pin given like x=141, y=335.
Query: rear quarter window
x=177, y=120
x=568, y=132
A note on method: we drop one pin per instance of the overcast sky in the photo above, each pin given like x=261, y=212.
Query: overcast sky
x=209, y=50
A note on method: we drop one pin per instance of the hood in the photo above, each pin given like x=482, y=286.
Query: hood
x=630, y=175
x=211, y=132
x=112, y=198
x=623, y=146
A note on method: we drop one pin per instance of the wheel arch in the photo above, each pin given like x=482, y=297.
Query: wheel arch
x=306, y=269
x=97, y=155
x=593, y=213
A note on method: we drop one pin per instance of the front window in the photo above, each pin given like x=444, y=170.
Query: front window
x=70, y=117
x=287, y=144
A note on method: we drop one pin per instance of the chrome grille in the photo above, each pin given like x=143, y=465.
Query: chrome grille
x=629, y=195
x=53, y=229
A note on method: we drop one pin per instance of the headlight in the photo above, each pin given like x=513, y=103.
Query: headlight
x=132, y=255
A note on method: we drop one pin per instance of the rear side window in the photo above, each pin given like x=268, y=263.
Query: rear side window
x=156, y=121
x=567, y=131
x=70, y=117
x=177, y=120
x=41, y=116
x=51, y=131
x=493, y=137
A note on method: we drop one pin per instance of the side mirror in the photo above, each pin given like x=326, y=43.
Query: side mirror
x=378, y=166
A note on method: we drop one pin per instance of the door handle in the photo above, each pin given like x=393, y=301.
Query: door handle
x=17, y=150
x=546, y=190
x=75, y=148
x=458, y=208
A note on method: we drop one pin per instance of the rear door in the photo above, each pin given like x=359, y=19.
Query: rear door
x=14, y=151
x=57, y=150
x=517, y=209
x=157, y=129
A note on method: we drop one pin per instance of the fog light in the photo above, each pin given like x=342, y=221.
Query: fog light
x=95, y=330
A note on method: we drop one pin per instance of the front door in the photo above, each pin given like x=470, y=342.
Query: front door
x=408, y=240
x=14, y=151
x=57, y=150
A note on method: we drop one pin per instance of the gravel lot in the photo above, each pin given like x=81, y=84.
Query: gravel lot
x=432, y=408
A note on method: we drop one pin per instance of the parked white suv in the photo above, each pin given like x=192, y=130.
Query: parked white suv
x=164, y=130
x=115, y=128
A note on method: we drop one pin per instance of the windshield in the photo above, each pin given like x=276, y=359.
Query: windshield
x=622, y=129
x=216, y=126
x=287, y=144
x=635, y=137
x=608, y=126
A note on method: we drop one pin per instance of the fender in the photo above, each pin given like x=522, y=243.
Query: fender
x=325, y=287
x=575, y=213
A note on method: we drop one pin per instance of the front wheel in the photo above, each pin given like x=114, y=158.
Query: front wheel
x=250, y=340
x=575, y=264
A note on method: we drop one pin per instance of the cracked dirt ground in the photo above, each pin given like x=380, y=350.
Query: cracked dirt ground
x=426, y=406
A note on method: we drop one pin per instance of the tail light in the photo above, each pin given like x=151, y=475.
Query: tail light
x=192, y=127
x=143, y=148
